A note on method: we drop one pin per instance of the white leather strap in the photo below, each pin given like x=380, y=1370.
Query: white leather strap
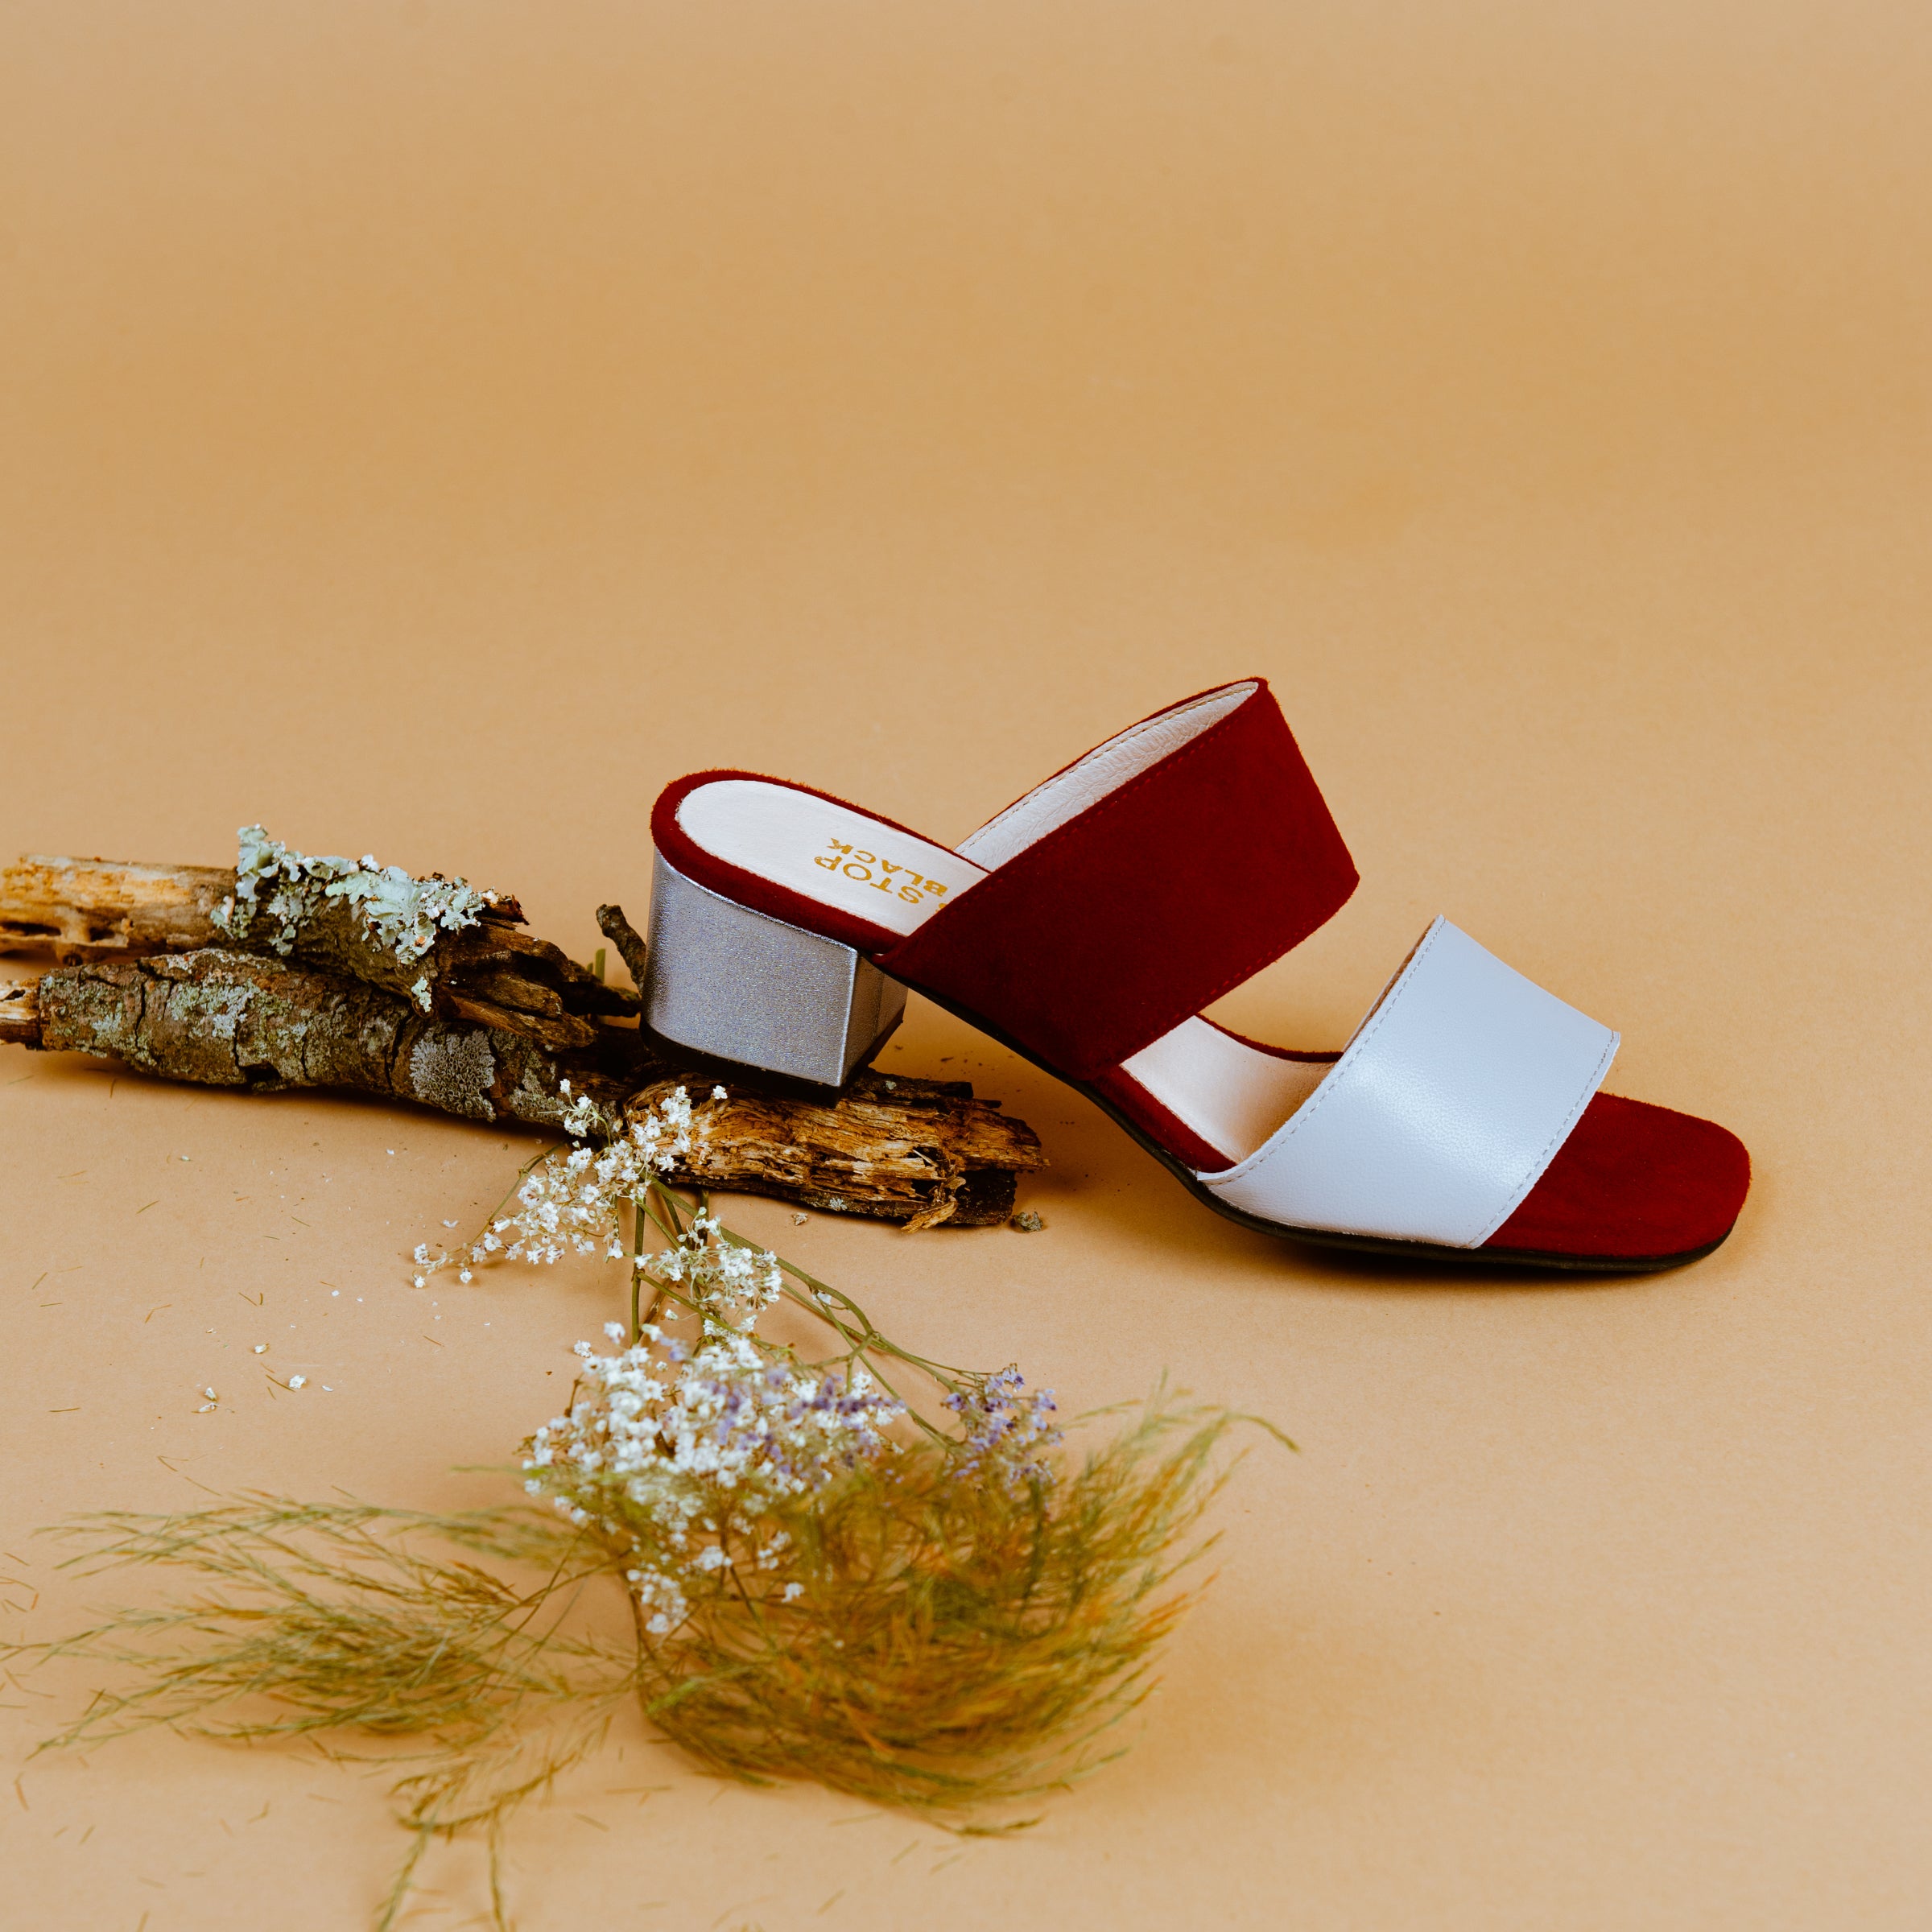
x=1451, y=1100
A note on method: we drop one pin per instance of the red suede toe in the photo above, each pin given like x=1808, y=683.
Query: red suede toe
x=1632, y=1180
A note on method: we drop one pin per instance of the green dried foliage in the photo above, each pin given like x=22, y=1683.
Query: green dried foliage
x=948, y=1619
x=330, y=1623
x=956, y=1642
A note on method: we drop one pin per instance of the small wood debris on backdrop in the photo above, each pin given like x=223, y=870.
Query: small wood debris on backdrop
x=180, y=970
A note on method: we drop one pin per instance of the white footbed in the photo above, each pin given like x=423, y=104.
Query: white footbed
x=1104, y=768
x=826, y=852
x=1232, y=1095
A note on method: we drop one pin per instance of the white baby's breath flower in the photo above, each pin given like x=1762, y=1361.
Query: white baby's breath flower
x=297, y=1381
x=682, y=1451
x=572, y=1201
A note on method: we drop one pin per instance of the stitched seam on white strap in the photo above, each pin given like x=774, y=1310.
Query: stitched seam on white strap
x=1556, y=1140
x=1357, y=1048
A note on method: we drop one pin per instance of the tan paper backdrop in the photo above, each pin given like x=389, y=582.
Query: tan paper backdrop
x=429, y=426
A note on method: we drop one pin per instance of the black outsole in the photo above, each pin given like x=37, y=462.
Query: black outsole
x=1434, y=1254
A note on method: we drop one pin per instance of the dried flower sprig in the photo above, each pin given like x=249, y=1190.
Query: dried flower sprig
x=822, y=1582
x=572, y=1200
x=576, y=1199
x=682, y=1456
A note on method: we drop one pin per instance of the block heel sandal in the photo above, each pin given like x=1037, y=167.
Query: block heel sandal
x=1088, y=925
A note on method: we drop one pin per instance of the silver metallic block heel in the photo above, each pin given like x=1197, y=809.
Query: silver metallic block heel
x=734, y=985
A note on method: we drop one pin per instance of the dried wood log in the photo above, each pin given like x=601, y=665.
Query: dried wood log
x=222, y=1017
x=19, y=1015
x=100, y=909
x=489, y=972
x=921, y=1152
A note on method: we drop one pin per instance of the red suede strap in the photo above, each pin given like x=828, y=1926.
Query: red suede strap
x=1167, y=892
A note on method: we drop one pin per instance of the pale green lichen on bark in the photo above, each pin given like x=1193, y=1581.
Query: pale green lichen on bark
x=453, y=1071
x=227, y=1018
x=376, y=922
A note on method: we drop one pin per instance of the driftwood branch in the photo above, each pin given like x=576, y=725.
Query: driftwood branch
x=512, y=1019
x=491, y=972
x=626, y=937
x=102, y=908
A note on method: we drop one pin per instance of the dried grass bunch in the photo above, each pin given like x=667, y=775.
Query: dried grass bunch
x=943, y=1612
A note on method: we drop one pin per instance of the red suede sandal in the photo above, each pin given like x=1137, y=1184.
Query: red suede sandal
x=1087, y=926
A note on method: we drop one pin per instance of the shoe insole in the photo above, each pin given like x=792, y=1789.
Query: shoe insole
x=826, y=851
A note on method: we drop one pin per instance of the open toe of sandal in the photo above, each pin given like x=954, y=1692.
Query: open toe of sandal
x=1632, y=1180
x=1089, y=924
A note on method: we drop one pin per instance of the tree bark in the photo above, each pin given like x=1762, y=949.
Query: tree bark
x=920, y=1152
x=492, y=972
